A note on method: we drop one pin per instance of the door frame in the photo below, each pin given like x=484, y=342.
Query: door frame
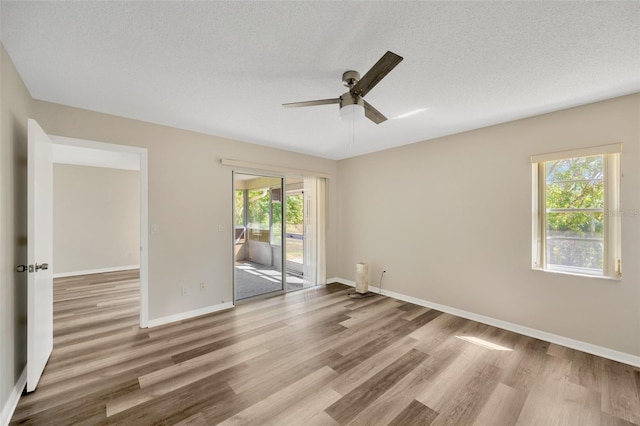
x=144, y=208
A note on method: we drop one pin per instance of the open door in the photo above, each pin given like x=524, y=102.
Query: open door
x=39, y=253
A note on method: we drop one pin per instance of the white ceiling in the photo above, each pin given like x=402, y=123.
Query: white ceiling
x=225, y=68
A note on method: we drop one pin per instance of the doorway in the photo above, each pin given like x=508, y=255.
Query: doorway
x=110, y=156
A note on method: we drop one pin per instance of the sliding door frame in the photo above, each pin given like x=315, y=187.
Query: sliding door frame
x=250, y=168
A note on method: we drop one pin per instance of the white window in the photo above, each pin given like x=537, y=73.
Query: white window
x=576, y=214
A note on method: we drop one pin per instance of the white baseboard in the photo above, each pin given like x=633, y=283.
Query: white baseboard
x=14, y=397
x=342, y=281
x=189, y=314
x=96, y=271
x=516, y=328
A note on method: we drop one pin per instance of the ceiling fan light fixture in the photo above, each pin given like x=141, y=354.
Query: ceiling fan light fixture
x=352, y=113
x=351, y=108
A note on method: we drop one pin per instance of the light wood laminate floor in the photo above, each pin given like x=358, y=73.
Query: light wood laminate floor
x=313, y=357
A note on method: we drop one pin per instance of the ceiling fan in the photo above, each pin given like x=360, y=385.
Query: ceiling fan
x=351, y=102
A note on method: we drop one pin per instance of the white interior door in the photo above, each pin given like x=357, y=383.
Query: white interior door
x=39, y=253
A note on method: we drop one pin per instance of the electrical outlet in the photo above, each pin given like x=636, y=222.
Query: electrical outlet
x=202, y=286
x=185, y=290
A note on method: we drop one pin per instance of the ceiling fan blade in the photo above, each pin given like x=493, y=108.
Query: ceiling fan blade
x=377, y=72
x=373, y=114
x=312, y=103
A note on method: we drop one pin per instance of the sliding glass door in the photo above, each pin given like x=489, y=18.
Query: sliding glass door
x=258, y=245
x=279, y=227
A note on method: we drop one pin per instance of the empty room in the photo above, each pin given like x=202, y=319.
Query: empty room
x=327, y=213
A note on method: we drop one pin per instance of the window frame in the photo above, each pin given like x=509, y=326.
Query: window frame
x=612, y=259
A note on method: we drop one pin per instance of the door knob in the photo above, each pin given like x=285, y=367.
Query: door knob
x=22, y=268
x=43, y=266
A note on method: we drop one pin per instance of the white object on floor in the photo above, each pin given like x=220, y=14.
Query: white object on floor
x=362, y=278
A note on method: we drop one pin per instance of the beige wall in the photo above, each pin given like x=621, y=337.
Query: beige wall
x=450, y=221
x=190, y=195
x=96, y=218
x=15, y=107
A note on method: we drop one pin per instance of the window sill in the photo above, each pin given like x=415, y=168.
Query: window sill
x=576, y=274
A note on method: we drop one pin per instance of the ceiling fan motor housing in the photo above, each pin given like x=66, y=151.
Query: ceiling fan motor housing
x=350, y=78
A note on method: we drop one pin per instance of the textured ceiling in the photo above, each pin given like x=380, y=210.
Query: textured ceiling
x=225, y=68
